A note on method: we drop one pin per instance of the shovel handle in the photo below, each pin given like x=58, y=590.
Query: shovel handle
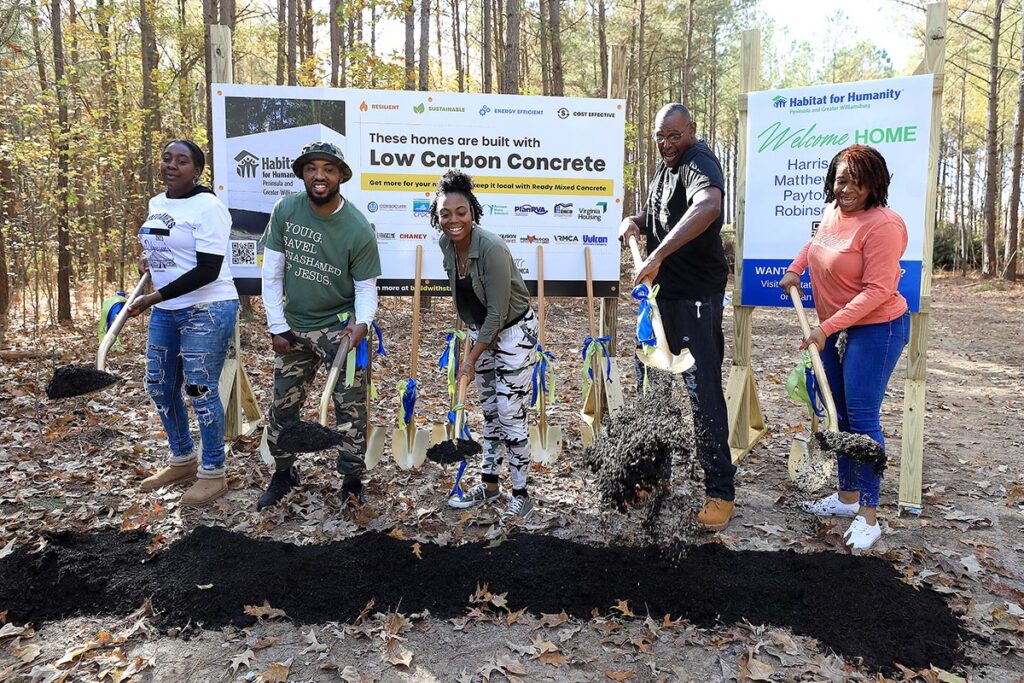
x=416, y=310
x=540, y=289
x=332, y=377
x=590, y=292
x=115, y=328
x=816, y=365
x=634, y=249
x=660, y=338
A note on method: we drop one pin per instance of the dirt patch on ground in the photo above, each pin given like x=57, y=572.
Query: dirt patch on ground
x=210, y=575
x=78, y=380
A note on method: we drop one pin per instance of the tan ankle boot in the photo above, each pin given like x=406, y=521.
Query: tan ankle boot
x=205, y=491
x=716, y=514
x=169, y=475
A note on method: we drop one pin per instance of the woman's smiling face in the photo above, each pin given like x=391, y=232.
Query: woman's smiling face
x=456, y=217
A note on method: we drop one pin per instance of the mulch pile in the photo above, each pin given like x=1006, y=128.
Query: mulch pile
x=448, y=452
x=307, y=437
x=78, y=380
x=854, y=446
x=855, y=605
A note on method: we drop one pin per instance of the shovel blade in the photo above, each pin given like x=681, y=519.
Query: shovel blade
x=808, y=469
x=545, y=448
x=662, y=360
x=438, y=433
x=613, y=389
x=407, y=457
x=265, y=455
x=374, y=447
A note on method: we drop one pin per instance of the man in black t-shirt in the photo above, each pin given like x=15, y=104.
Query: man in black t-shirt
x=682, y=221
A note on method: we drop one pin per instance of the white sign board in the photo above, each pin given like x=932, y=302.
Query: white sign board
x=547, y=170
x=792, y=136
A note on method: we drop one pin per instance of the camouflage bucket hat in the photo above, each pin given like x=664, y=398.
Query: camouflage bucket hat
x=327, y=151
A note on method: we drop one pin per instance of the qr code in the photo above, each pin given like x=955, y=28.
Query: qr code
x=243, y=252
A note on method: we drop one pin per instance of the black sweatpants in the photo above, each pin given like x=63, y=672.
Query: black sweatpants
x=697, y=325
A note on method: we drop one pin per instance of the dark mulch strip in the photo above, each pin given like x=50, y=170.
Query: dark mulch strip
x=448, y=452
x=308, y=437
x=855, y=605
x=854, y=446
x=78, y=380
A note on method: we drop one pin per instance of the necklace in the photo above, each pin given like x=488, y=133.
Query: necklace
x=462, y=264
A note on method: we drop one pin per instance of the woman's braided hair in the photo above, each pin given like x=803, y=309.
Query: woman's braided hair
x=455, y=181
x=867, y=169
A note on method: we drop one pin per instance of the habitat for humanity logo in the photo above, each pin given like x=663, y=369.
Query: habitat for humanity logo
x=563, y=210
x=247, y=163
x=779, y=101
x=420, y=207
x=854, y=99
x=527, y=209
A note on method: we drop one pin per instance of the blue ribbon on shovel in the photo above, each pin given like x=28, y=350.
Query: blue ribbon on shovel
x=540, y=367
x=591, y=346
x=407, y=397
x=457, y=490
x=644, y=326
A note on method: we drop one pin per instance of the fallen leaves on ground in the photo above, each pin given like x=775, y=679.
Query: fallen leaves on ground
x=264, y=611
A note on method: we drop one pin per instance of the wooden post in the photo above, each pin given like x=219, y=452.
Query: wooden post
x=241, y=410
x=746, y=420
x=608, y=324
x=912, y=445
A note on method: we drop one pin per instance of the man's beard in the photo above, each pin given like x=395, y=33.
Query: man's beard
x=326, y=199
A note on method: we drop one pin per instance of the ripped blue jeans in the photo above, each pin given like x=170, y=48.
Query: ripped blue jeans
x=186, y=350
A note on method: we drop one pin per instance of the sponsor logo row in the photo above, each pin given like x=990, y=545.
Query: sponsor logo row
x=421, y=208
x=510, y=238
x=431, y=107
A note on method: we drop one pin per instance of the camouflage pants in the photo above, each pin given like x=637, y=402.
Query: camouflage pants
x=293, y=373
x=504, y=375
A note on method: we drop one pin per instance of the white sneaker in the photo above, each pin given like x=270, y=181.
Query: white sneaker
x=473, y=497
x=518, y=506
x=861, y=535
x=830, y=506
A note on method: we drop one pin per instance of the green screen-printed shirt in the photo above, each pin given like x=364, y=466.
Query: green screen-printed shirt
x=324, y=255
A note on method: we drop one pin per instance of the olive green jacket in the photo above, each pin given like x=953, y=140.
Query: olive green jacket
x=496, y=282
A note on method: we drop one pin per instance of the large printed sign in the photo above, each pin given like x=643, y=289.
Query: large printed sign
x=792, y=136
x=547, y=170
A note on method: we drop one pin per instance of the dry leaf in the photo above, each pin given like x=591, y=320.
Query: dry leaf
x=620, y=675
x=244, y=659
x=402, y=658
x=623, y=607
x=500, y=601
x=755, y=670
x=28, y=653
x=553, y=658
x=264, y=643
x=553, y=620
x=264, y=611
x=513, y=617
x=7, y=549
x=10, y=630
x=350, y=675
x=510, y=666
x=417, y=551
x=543, y=645
x=276, y=672
x=314, y=645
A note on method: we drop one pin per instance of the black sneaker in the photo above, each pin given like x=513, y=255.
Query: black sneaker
x=280, y=484
x=352, y=491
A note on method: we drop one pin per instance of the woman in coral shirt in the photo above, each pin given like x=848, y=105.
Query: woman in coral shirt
x=854, y=260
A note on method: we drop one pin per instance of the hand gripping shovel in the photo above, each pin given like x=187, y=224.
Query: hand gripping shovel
x=545, y=439
x=809, y=467
x=81, y=380
x=409, y=444
x=593, y=379
x=659, y=355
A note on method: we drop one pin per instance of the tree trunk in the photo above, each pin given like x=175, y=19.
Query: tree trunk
x=150, y=104
x=37, y=47
x=424, y=83
x=555, y=26
x=334, y=6
x=486, y=79
x=602, y=45
x=1012, y=224
x=300, y=22
x=227, y=13
x=989, y=265
x=8, y=212
x=410, y=44
x=440, y=46
x=282, y=39
x=308, y=29
x=63, y=228
x=293, y=41
x=109, y=118
x=510, y=77
x=209, y=17
x=457, y=36
x=465, y=42
x=373, y=42
x=545, y=49
x=684, y=96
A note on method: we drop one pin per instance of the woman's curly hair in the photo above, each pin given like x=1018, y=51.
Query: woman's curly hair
x=455, y=181
x=867, y=169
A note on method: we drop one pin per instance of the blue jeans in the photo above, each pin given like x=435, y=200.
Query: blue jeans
x=187, y=349
x=858, y=386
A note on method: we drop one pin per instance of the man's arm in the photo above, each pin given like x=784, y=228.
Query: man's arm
x=705, y=208
x=632, y=226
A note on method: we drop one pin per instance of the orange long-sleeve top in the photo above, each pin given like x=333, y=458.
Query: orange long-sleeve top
x=855, y=267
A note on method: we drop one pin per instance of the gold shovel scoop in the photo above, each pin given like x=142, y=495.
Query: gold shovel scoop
x=661, y=357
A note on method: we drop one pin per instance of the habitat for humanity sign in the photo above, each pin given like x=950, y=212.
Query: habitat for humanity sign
x=792, y=135
x=547, y=170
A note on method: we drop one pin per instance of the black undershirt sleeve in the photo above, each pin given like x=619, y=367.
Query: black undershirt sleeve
x=206, y=271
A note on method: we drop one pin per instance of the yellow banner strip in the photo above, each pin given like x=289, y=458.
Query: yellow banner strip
x=411, y=182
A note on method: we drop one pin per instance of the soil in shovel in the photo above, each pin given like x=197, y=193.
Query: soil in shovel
x=78, y=380
x=449, y=452
x=308, y=437
x=853, y=446
x=855, y=605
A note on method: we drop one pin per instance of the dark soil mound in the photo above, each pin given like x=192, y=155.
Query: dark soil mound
x=857, y=606
x=447, y=452
x=633, y=459
x=308, y=437
x=78, y=380
x=854, y=446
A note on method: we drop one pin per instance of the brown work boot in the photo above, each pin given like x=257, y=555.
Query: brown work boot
x=169, y=475
x=205, y=491
x=716, y=514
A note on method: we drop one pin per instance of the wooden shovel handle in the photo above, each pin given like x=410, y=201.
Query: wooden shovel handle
x=460, y=394
x=816, y=365
x=540, y=289
x=332, y=377
x=416, y=311
x=634, y=249
x=115, y=328
x=590, y=292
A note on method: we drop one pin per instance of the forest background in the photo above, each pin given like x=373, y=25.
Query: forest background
x=90, y=89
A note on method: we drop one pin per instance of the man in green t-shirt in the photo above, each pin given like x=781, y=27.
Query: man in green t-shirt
x=320, y=265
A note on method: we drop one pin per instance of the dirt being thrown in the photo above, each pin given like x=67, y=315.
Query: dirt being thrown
x=854, y=446
x=449, y=452
x=209, y=576
x=78, y=380
x=308, y=437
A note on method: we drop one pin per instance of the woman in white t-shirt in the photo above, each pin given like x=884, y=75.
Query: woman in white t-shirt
x=184, y=241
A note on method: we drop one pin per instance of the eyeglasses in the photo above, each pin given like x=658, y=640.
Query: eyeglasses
x=671, y=139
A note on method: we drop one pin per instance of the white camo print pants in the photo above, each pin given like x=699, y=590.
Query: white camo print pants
x=504, y=375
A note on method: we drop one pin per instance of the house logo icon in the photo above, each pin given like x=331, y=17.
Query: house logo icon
x=247, y=163
x=778, y=101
